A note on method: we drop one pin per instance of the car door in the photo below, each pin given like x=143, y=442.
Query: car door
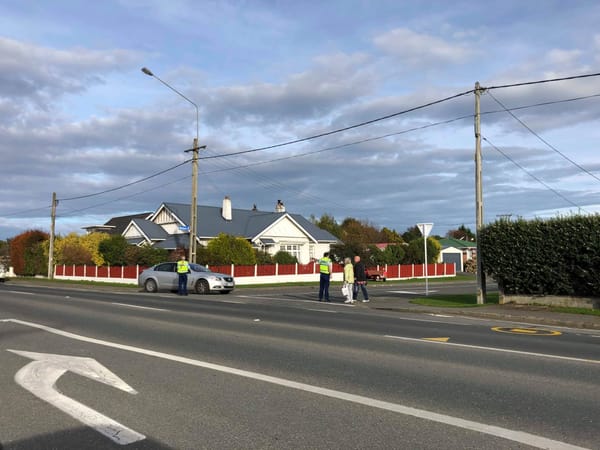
x=166, y=276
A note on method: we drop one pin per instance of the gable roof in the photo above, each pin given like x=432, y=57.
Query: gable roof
x=245, y=223
x=456, y=243
x=119, y=224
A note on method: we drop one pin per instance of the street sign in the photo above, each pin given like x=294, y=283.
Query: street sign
x=425, y=228
x=184, y=228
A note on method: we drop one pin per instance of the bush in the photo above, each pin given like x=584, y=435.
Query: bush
x=552, y=257
x=282, y=257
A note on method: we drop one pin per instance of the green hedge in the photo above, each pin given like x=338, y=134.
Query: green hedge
x=544, y=257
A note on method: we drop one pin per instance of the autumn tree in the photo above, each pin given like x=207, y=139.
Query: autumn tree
x=27, y=253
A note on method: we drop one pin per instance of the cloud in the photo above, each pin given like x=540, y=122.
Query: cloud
x=41, y=74
x=416, y=49
x=334, y=80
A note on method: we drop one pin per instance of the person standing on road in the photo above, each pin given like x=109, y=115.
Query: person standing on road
x=349, y=280
x=360, y=279
x=325, y=269
x=183, y=268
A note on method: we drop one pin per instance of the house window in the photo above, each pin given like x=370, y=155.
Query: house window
x=292, y=249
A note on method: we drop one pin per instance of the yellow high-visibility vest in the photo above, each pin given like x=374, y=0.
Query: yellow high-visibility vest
x=324, y=265
x=183, y=266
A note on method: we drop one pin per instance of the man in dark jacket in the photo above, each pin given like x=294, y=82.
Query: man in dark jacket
x=360, y=279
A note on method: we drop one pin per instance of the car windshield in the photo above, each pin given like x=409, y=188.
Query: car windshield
x=198, y=268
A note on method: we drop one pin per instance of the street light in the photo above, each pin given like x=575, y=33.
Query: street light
x=195, y=150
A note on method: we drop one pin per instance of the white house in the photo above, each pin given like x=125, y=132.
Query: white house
x=168, y=227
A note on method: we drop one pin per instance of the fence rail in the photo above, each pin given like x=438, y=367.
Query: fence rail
x=256, y=274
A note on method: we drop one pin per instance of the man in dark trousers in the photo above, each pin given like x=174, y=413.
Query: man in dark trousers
x=325, y=269
x=360, y=279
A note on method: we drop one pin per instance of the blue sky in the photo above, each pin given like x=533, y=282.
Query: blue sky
x=78, y=117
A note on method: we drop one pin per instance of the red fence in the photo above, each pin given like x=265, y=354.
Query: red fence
x=132, y=272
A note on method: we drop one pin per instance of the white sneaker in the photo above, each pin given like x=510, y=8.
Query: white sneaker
x=366, y=301
x=348, y=301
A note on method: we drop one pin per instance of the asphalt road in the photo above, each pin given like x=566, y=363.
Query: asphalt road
x=271, y=368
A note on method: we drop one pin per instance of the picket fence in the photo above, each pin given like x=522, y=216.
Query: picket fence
x=255, y=274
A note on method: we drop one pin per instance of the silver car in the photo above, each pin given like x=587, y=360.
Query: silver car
x=164, y=277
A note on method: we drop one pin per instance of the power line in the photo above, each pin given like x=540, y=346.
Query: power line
x=339, y=130
x=532, y=175
x=543, y=140
x=551, y=80
x=128, y=184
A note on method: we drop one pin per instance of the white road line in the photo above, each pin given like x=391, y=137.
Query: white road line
x=494, y=349
x=513, y=435
x=22, y=293
x=322, y=310
x=139, y=307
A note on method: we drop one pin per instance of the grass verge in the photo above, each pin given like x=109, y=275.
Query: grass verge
x=455, y=300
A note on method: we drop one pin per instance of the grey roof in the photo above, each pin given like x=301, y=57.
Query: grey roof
x=174, y=241
x=150, y=229
x=245, y=223
x=121, y=222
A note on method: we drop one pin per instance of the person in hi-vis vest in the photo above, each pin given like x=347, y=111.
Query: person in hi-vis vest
x=325, y=269
x=183, y=268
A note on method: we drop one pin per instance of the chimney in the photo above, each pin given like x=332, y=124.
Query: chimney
x=279, y=207
x=226, y=209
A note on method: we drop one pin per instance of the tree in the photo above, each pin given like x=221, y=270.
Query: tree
x=328, y=223
x=113, y=250
x=227, y=249
x=79, y=249
x=391, y=236
x=415, y=253
x=263, y=257
x=411, y=234
x=27, y=253
x=145, y=255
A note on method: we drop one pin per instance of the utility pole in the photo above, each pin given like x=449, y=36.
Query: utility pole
x=479, y=195
x=51, y=246
x=194, y=204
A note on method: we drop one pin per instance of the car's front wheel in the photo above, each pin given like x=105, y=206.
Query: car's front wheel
x=202, y=287
x=150, y=286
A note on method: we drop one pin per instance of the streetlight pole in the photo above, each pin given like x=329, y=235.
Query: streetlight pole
x=195, y=150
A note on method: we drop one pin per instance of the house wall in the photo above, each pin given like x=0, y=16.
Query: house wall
x=285, y=232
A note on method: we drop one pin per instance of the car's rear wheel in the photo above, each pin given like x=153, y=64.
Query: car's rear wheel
x=202, y=287
x=150, y=286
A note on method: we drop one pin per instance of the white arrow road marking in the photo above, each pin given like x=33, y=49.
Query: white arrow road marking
x=513, y=435
x=40, y=376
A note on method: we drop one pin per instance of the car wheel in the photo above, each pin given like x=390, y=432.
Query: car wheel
x=150, y=286
x=202, y=287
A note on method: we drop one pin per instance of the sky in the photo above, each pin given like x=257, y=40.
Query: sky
x=79, y=118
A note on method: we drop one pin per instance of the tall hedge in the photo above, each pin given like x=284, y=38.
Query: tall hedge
x=558, y=256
